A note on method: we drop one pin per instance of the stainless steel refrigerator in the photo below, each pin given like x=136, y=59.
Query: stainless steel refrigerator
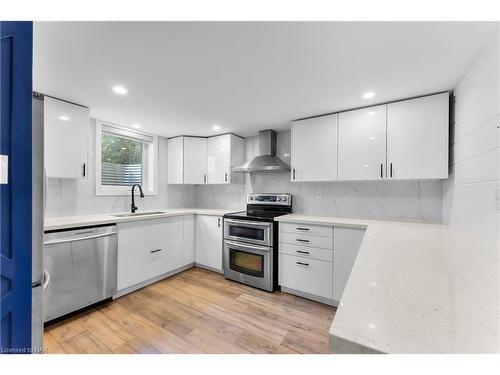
x=38, y=279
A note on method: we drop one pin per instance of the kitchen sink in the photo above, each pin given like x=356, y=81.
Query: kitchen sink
x=140, y=214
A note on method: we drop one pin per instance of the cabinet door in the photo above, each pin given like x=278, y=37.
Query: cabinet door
x=346, y=245
x=189, y=239
x=195, y=160
x=417, y=138
x=66, y=136
x=175, y=150
x=314, y=149
x=362, y=144
x=219, y=159
x=209, y=241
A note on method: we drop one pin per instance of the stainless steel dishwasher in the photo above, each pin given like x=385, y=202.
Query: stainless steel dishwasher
x=80, y=266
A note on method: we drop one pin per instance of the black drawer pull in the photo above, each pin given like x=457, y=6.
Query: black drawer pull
x=301, y=240
x=155, y=251
x=300, y=228
x=302, y=264
x=303, y=252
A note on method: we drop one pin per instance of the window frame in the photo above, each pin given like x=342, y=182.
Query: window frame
x=149, y=160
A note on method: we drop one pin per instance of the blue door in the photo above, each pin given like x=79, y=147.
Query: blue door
x=15, y=193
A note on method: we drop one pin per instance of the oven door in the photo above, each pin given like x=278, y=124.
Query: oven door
x=256, y=232
x=249, y=264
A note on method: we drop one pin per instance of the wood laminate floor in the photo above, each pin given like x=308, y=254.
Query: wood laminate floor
x=196, y=311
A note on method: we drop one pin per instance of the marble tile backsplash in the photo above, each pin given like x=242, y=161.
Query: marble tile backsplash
x=399, y=200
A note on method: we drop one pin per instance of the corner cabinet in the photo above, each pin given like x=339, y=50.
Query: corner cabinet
x=199, y=160
x=314, y=149
x=66, y=128
x=209, y=242
x=224, y=152
x=417, y=138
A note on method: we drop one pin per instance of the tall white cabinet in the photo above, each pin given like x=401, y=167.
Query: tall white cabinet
x=361, y=144
x=417, y=138
x=314, y=149
x=66, y=128
x=209, y=242
x=223, y=153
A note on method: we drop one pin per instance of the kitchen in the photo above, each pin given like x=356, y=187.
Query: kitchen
x=211, y=187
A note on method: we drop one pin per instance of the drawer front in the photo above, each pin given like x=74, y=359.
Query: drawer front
x=315, y=230
x=306, y=275
x=306, y=251
x=140, y=266
x=307, y=240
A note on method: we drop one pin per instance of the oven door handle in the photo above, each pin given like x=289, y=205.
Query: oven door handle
x=253, y=247
x=247, y=223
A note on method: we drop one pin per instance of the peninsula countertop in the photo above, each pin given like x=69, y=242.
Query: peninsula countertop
x=416, y=288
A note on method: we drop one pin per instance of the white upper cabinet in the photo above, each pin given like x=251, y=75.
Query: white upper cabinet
x=417, y=138
x=66, y=129
x=314, y=149
x=362, y=144
x=195, y=160
x=224, y=151
x=175, y=160
x=199, y=160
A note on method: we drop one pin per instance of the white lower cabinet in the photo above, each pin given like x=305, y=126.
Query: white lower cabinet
x=306, y=275
x=189, y=239
x=149, y=248
x=346, y=245
x=319, y=264
x=209, y=242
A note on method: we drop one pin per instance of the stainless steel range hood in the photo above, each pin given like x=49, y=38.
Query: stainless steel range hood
x=267, y=161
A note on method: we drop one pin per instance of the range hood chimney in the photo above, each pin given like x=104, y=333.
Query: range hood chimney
x=267, y=161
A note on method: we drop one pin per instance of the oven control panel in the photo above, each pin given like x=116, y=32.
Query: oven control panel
x=270, y=199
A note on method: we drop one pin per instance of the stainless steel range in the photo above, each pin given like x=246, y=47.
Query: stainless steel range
x=251, y=241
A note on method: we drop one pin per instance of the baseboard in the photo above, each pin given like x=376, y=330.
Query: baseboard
x=326, y=301
x=208, y=268
x=140, y=285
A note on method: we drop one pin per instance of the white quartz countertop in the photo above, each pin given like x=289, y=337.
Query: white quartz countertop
x=65, y=222
x=416, y=288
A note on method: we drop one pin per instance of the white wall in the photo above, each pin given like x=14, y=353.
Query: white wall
x=471, y=195
x=66, y=197
x=415, y=201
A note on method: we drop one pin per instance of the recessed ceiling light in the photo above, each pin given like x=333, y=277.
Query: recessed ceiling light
x=372, y=138
x=216, y=127
x=368, y=95
x=64, y=118
x=371, y=113
x=120, y=90
x=137, y=126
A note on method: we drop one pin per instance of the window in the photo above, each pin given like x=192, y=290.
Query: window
x=124, y=158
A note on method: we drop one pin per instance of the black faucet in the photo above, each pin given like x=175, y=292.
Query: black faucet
x=133, y=207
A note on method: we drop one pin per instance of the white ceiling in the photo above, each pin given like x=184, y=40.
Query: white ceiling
x=185, y=77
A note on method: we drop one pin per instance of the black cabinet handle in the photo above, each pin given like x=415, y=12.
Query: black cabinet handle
x=303, y=252
x=218, y=222
x=293, y=174
x=204, y=178
x=84, y=169
x=301, y=240
x=300, y=228
x=155, y=251
x=302, y=264
x=381, y=170
x=225, y=177
x=391, y=170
